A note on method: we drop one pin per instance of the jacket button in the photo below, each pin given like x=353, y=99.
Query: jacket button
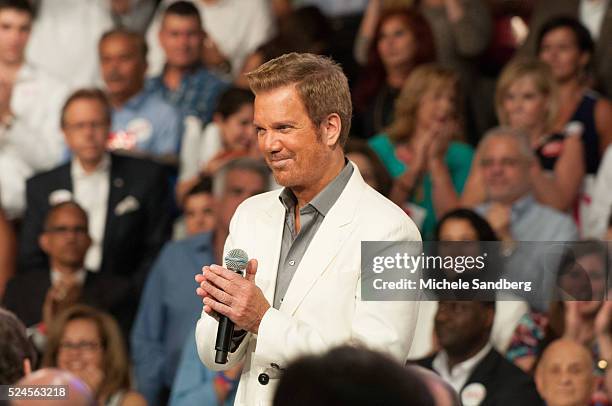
x=263, y=378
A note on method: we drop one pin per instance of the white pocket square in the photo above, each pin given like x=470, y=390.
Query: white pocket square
x=128, y=204
x=59, y=196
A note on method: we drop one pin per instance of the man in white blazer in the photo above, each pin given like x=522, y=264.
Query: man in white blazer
x=301, y=292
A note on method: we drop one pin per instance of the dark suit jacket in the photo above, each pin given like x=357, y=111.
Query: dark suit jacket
x=544, y=10
x=505, y=383
x=26, y=292
x=132, y=239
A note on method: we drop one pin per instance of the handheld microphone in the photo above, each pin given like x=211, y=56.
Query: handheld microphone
x=236, y=261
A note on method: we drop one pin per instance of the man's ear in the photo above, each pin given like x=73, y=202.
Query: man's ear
x=43, y=242
x=331, y=127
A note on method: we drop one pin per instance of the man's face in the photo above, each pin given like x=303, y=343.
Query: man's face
x=86, y=130
x=66, y=239
x=200, y=215
x=240, y=184
x=565, y=375
x=123, y=65
x=505, y=170
x=182, y=39
x=461, y=326
x=288, y=139
x=15, y=28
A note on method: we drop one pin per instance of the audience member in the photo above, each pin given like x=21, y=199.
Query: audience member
x=17, y=356
x=234, y=29
x=143, y=123
x=369, y=164
x=185, y=82
x=8, y=252
x=77, y=393
x=65, y=240
x=231, y=134
x=88, y=343
x=125, y=198
x=462, y=30
x=30, y=101
x=506, y=159
x=586, y=322
x=468, y=362
x=419, y=148
x=168, y=308
x=566, y=46
x=402, y=41
x=65, y=36
x=564, y=376
x=348, y=376
x=596, y=16
x=464, y=225
x=527, y=100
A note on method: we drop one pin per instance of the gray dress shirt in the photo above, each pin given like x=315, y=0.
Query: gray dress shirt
x=294, y=244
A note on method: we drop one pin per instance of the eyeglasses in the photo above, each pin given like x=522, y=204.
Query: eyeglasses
x=81, y=345
x=81, y=126
x=505, y=162
x=79, y=230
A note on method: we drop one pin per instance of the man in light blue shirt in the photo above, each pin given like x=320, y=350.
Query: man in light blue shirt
x=517, y=218
x=185, y=82
x=168, y=307
x=142, y=123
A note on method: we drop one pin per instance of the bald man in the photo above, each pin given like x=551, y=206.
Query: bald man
x=78, y=393
x=564, y=376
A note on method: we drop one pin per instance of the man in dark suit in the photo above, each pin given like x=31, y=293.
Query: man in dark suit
x=126, y=199
x=38, y=294
x=468, y=362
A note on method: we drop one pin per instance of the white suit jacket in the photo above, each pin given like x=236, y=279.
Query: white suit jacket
x=322, y=307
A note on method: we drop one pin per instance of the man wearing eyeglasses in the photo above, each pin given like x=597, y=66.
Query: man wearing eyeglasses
x=39, y=294
x=126, y=199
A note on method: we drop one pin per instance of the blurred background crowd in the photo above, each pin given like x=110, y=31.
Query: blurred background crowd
x=127, y=142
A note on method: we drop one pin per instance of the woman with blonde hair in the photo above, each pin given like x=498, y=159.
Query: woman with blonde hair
x=421, y=149
x=88, y=343
x=526, y=98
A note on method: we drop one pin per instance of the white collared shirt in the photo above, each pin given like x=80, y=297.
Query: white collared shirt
x=34, y=141
x=591, y=13
x=91, y=191
x=460, y=373
x=79, y=275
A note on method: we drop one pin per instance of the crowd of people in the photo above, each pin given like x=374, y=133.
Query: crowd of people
x=127, y=142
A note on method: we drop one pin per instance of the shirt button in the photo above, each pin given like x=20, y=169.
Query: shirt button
x=263, y=378
x=292, y=262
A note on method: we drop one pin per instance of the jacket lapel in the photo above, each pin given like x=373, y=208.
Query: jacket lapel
x=325, y=245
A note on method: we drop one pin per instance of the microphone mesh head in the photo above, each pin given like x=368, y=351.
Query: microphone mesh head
x=236, y=260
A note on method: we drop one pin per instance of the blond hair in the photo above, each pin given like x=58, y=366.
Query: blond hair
x=319, y=81
x=543, y=80
x=114, y=360
x=421, y=80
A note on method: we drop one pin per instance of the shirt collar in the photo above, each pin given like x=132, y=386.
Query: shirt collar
x=134, y=102
x=78, y=172
x=80, y=276
x=325, y=200
x=465, y=368
x=523, y=204
x=26, y=72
